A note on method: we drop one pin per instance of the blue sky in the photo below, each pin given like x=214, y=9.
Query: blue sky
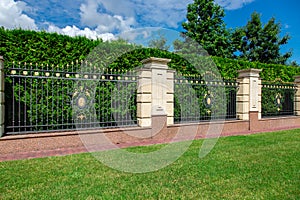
x=107, y=18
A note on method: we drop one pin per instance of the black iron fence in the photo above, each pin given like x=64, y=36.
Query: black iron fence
x=44, y=98
x=84, y=96
x=278, y=99
x=197, y=100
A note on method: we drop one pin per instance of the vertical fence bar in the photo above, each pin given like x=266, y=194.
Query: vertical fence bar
x=297, y=96
x=2, y=97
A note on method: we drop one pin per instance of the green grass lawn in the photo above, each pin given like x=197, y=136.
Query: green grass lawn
x=261, y=166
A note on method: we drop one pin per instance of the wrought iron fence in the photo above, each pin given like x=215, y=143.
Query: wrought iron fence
x=44, y=98
x=198, y=100
x=278, y=99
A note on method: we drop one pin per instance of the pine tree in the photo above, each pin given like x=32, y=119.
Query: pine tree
x=258, y=42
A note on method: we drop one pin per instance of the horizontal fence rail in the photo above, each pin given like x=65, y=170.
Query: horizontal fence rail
x=198, y=100
x=278, y=99
x=43, y=98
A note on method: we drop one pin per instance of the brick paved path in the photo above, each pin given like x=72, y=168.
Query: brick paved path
x=44, y=145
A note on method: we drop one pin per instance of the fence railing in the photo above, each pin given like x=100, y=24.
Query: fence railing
x=43, y=98
x=278, y=99
x=199, y=100
x=84, y=96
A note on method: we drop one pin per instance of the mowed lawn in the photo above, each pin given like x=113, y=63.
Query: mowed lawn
x=260, y=166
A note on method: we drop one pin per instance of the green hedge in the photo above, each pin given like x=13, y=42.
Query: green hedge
x=54, y=49
x=42, y=47
x=270, y=72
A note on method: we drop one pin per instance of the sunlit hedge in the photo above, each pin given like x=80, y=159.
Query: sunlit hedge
x=42, y=47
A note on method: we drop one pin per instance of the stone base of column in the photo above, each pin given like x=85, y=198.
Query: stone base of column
x=159, y=122
x=2, y=130
x=253, y=121
x=146, y=122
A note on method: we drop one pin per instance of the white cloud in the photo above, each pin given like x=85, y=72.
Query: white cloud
x=140, y=33
x=286, y=26
x=116, y=15
x=166, y=13
x=117, y=7
x=233, y=4
x=102, y=21
x=12, y=16
x=101, y=16
x=75, y=31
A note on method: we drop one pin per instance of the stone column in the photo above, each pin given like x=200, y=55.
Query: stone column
x=249, y=94
x=297, y=98
x=2, y=97
x=155, y=92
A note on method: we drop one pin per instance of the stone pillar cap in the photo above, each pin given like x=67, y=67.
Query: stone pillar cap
x=297, y=79
x=249, y=73
x=156, y=60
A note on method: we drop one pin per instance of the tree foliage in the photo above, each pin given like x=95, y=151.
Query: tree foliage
x=255, y=41
x=260, y=42
x=159, y=43
x=206, y=26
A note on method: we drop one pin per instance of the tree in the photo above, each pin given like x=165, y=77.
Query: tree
x=258, y=42
x=292, y=63
x=206, y=26
x=160, y=42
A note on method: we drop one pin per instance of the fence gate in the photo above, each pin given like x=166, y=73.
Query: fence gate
x=54, y=98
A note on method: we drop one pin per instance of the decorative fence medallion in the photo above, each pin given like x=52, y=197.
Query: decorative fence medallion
x=82, y=96
x=208, y=100
x=278, y=101
x=81, y=101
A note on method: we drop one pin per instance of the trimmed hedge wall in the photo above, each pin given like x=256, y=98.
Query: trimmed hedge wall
x=270, y=72
x=42, y=47
x=51, y=48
